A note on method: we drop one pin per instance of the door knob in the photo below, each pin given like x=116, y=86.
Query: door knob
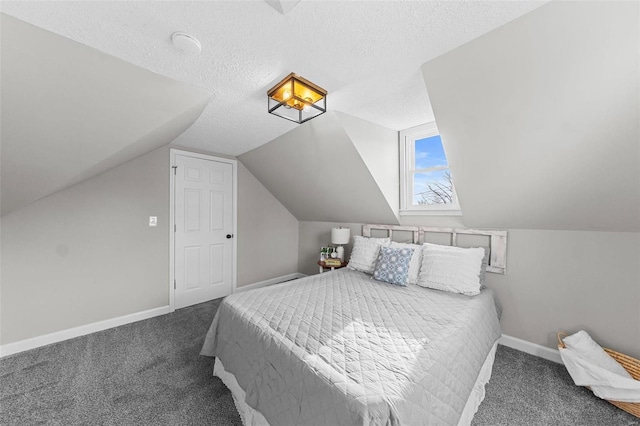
x=229, y=235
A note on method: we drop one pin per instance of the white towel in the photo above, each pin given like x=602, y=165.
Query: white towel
x=589, y=365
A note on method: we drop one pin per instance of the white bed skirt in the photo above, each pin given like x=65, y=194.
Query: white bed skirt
x=252, y=417
x=249, y=416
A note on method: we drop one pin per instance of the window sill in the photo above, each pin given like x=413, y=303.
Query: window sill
x=425, y=212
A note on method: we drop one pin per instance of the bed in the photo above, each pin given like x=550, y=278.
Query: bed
x=341, y=348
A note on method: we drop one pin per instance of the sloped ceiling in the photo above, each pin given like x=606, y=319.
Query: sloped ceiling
x=318, y=174
x=540, y=119
x=70, y=112
x=367, y=54
x=378, y=148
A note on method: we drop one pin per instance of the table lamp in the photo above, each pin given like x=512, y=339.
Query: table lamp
x=340, y=236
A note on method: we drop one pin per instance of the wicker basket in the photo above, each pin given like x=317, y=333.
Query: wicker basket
x=630, y=364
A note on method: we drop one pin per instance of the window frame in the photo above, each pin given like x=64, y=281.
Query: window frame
x=407, y=141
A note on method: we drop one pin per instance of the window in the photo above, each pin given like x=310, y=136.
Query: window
x=426, y=184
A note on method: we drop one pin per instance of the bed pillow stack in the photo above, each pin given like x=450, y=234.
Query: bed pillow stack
x=447, y=268
x=365, y=253
x=452, y=269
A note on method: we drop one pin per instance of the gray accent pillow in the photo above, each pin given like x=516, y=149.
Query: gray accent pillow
x=392, y=265
x=416, y=259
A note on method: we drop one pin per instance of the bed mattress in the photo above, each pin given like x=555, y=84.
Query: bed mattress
x=343, y=349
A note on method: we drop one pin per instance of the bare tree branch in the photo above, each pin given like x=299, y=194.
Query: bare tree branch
x=439, y=192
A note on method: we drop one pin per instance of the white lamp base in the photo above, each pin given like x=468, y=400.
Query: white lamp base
x=340, y=251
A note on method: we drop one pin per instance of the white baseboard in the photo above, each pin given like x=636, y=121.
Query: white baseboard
x=531, y=348
x=276, y=280
x=59, y=336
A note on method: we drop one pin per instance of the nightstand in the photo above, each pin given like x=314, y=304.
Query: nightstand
x=322, y=266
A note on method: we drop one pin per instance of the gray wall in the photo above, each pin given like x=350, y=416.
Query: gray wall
x=312, y=236
x=540, y=119
x=267, y=233
x=556, y=280
x=87, y=254
x=572, y=280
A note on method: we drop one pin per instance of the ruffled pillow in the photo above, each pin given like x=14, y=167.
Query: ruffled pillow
x=452, y=269
x=365, y=252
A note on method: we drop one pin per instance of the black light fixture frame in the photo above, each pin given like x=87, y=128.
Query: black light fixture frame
x=283, y=103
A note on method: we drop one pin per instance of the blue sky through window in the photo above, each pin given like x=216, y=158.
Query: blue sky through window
x=429, y=153
x=431, y=179
x=432, y=187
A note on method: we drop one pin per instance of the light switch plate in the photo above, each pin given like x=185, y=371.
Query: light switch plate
x=153, y=221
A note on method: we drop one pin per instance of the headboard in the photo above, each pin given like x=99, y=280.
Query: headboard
x=497, y=240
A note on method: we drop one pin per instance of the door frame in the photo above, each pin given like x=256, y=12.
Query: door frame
x=172, y=224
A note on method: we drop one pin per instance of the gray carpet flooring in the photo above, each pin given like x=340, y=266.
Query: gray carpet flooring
x=150, y=373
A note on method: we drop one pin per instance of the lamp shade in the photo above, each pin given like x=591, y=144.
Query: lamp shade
x=340, y=235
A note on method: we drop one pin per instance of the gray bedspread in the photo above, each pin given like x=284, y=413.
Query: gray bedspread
x=340, y=348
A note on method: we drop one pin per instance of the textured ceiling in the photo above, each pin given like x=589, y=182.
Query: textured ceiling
x=366, y=54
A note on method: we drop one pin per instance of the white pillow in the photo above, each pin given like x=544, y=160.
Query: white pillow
x=416, y=260
x=365, y=253
x=452, y=269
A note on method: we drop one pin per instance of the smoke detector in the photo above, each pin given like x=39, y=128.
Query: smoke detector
x=187, y=44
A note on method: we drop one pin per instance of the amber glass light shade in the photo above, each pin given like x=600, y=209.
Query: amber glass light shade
x=297, y=99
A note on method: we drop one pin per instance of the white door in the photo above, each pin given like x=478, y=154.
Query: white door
x=203, y=230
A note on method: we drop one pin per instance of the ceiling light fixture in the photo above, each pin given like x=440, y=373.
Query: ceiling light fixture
x=297, y=99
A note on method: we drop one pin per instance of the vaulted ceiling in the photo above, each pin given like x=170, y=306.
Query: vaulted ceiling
x=514, y=93
x=366, y=54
